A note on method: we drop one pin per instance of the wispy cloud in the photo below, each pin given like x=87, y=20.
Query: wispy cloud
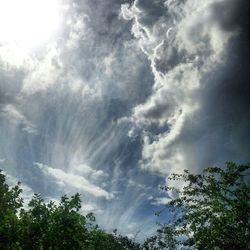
x=70, y=180
x=127, y=92
x=16, y=118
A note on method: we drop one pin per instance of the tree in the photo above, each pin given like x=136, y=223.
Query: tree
x=45, y=225
x=49, y=226
x=213, y=207
x=62, y=227
x=164, y=239
x=213, y=212
x=10, y=202
x=126, y=242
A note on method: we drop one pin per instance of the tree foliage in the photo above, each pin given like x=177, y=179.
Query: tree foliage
x=164, y=239
x=212, y=212
x=213, y=207
x=49, y=226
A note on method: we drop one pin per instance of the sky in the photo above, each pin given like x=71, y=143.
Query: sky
x=107, y=98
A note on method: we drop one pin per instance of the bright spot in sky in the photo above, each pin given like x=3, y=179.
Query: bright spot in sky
x=28, y=23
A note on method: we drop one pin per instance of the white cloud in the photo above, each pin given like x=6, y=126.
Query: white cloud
x=87, y=172
x=70, y=180
x=12, y=57
x=160, y=201
x=10, y=112
x=88, y=208
x=78, y=25
x=183, y=45
x=44, y=73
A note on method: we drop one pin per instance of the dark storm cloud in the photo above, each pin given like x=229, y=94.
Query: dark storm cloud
x=200, y=63
x=236, y=16
x=226, y=97
x=221, y=130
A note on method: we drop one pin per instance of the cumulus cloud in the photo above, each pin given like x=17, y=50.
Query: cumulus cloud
x=189, y=45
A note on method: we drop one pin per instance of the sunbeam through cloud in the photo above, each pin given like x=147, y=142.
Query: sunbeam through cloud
x=107, y=98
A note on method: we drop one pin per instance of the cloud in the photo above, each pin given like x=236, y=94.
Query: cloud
x=126, y=93
x=69, y=180
x=73, y=90
x=11, y=57
x=161, y=201
x=78, y=26
x=43, y=73
x=189, y=45
x=2, y=160
x=88, y=172
x=16, y=118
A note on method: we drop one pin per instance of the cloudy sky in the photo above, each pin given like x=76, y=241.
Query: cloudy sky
x=107, y=98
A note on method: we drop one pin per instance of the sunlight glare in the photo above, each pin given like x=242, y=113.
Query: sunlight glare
x=28, y=23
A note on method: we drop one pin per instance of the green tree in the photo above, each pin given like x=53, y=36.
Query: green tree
x=126, y=242
x=47, y=226
x=10, y=202
x=213, y=207
x=164, y=239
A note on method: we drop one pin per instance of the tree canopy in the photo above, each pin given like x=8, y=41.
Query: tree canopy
x=212, y=211
x=50, y=226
